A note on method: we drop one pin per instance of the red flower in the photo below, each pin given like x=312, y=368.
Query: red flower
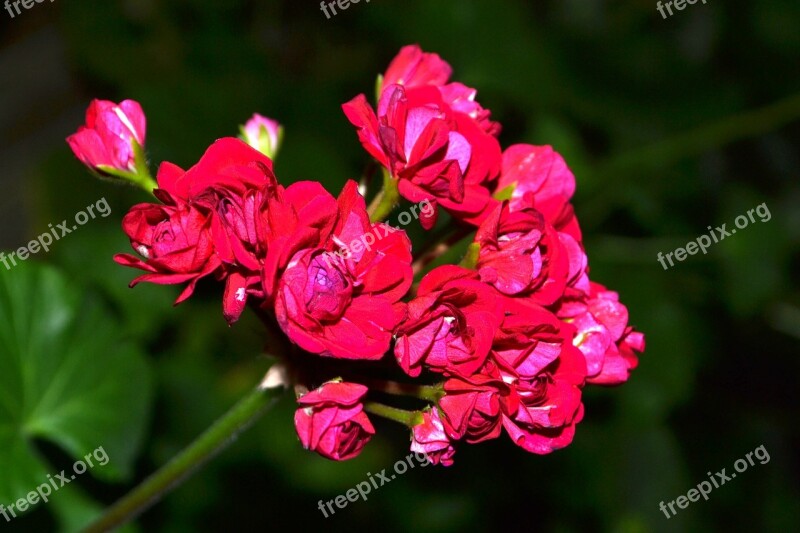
x=605, y=339
x=462, y=100
x=108, y=136
x=522, y=255
x=549, y=404
x=345, y=303
x=529, y=339
x=298, y=218
x=232, y=181
x=536, y=360
x=414, y=68
x=430, y=439
x=473, y=406
x=514, y=339
x=218, y=205
x=229, y=167
x=541, y=179
x=436, y=154
x=174, y=239
x=331, y=421
x=450, y=324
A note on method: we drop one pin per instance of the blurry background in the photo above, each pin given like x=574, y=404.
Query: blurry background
x=670, y=126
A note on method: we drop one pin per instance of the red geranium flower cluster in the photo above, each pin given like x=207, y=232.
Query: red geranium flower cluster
x=506, y=340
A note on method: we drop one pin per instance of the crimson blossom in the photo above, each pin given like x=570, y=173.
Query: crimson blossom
x=491, y=324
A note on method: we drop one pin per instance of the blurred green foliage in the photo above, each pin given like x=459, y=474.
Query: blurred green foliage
x=68, y=377
x=652, y=116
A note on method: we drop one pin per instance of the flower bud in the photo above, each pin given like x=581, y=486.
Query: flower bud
x=111, y=138
x=429, y=438
x=331, y=420
x=263, y=134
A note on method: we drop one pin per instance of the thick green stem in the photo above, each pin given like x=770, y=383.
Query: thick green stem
x=218, y=437
x=407, y=418
x=145, y=182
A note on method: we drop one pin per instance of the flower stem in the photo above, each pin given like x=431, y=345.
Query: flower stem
x=218, y=437
x=142, y=177
x=139, y=177
x=386, y=200
x=407, y=418
x=146, y=183
x=470, y=259
x=431, y=393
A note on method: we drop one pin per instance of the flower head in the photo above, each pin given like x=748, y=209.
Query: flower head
x=344, y=302
x=540, y=178
x=434, y=142
x=225, y=191
x=505, y=341
x=522, y=255
x=175, y=241
x=414, y=68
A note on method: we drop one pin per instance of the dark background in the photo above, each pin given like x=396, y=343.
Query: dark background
x=669, y=125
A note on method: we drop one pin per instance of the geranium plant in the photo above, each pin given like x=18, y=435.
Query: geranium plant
x=501, y=343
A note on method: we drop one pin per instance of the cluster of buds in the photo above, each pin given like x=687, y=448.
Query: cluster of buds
x=506, y=340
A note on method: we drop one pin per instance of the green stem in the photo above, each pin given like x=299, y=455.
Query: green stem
x=142, y=176
x=430, y=393
x=470, y=260
x=386, y=200
x=145, y=182
x=407, y=418
x=218, y=437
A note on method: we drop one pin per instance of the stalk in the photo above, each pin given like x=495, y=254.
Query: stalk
x=218, y=437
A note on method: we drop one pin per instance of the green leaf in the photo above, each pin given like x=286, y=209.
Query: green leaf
x=66, y=376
